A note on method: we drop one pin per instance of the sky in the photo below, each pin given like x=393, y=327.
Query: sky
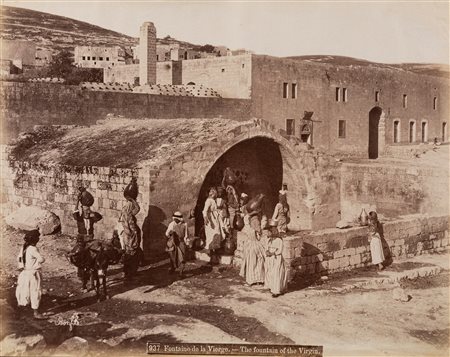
x=380, y=31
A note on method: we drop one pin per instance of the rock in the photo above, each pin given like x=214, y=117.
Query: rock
x=31, y=217
x=342, y=224
x=12, y=345
x=75, y=346
x=400, y=294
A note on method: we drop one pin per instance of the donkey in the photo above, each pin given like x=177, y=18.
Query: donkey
x=93, y=259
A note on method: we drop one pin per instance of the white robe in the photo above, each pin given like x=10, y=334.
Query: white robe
x=213, y=227
x=29, y=281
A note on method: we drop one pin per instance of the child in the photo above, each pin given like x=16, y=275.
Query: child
x=281, y=213
x=376, y=248
x=275, y=277
x=29, y=282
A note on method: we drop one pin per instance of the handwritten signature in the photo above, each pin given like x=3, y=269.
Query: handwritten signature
x=71, y=322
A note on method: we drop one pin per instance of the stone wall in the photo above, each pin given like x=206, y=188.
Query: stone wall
x=333, y=250
x=393, y=189
x=337, y=250
x=316, y=92
x=127, y=73
x=230, y=76
x=24, y=105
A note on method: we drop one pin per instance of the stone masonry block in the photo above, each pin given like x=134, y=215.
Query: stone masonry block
x=333, y=264
x=338, y=254
x=344, y=262
x=349, y=251
x=355, y=259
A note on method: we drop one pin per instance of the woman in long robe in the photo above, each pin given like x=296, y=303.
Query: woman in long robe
x=213, y=229
x=275, y=272
x=130, y=238
x=252, y=268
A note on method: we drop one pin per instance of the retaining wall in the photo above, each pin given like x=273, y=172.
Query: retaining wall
x=335, y=250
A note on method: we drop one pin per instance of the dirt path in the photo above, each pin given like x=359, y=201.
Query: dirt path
x=215, y=306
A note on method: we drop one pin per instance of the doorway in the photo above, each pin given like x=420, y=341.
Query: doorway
x=374, y=124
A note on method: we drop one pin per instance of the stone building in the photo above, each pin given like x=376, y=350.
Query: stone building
x=98, y=56
x=43, y=57
x=20, y=54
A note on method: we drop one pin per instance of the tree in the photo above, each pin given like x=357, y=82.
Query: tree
x=61, y=65
x=207, y=48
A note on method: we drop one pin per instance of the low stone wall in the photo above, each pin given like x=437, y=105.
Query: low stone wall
x=402, y=151
x=335, y=250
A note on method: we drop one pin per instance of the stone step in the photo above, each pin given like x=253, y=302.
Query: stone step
x=204, y=256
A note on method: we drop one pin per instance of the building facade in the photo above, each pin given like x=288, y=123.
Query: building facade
x=98, y=56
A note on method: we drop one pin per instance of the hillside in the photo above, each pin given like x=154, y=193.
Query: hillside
x=58, y=33
x=439, y=70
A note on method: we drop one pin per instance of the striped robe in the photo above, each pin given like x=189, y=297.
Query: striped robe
x=252, y=268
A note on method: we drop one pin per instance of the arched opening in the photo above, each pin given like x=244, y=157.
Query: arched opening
x=374, y=123
x=258, y=165
x=191, y=84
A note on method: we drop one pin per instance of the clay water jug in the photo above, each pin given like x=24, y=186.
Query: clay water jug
x=363, y=218
x=255, y=203
x=85, y=197
x=228, y=246
x=131, y=190
x=238, y=222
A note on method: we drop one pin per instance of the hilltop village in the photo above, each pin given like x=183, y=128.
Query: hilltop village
x=351, y=152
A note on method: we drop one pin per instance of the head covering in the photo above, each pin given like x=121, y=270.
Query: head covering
x=243, y=195
x=177, y=215
x=31, y=236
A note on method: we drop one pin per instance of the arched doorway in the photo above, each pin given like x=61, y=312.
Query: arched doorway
x=374, y=132
x=258, y=165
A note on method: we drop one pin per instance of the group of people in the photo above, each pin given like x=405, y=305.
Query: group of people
x=28, y=290
x=262, y=262
x=225, y=212
x=126, y=229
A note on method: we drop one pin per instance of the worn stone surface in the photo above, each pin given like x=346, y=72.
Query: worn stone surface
x=342, y=224
x=75, y=345
x=13, y=345
x=400, y=294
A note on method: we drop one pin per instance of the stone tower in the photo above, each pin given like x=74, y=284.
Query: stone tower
x=147, y=58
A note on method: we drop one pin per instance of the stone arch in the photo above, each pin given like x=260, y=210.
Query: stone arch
x=176, y=185
x=277, y=155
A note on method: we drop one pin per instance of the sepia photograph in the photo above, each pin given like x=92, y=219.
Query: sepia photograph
x=224, y=178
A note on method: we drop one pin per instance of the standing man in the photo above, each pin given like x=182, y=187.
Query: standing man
x=85, y=225
x=176, y=238
x=85, y=222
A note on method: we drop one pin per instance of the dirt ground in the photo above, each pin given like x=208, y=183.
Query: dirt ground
x=215, y=306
